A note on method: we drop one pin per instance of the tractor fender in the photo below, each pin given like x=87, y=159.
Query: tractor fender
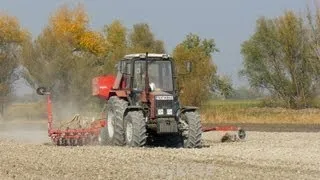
x=186, y=109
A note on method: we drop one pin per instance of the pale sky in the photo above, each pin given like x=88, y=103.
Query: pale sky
x=229, y=22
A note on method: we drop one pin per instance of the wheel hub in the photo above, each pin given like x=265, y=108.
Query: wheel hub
x=110, y=122
x=99, y=138
x=129, y=132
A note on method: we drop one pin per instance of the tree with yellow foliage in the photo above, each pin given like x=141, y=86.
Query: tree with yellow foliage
x=11, y=37
x=66, y=55
x=71, y=25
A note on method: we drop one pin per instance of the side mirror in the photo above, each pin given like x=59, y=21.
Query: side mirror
x=188, y=66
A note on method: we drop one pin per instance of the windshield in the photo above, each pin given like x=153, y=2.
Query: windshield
x=160, y=75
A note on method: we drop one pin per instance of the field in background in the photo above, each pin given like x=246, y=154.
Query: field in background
x=214, y=111
x=250, y=111
x=32, y=111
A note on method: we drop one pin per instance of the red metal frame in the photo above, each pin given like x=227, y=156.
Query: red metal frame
x=87, y=135
x=220, y=128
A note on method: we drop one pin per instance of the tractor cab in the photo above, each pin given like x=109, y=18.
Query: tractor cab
x=159, y=72
x=142, y=71
x=148, y=78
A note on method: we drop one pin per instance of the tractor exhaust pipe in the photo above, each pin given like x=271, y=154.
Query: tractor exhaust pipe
x=146, y=87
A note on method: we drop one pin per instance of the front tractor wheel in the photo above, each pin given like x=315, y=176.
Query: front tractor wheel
x=115, y=112
x=192, y=134
x=135, y=129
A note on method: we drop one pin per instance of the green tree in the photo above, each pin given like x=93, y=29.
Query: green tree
x=277, y=58
x=314, y=40
x=195, y=86
x=223, y=86
x=115, y=34
x=141, y=39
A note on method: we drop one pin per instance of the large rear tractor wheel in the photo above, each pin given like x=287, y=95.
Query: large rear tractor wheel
x=135, y=129
x=192, y=134
x=115, y=112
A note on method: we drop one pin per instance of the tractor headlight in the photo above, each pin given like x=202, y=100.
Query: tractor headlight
x=160, y=111
x=169, y=111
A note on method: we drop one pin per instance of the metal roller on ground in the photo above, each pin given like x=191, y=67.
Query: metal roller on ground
x=142, y=108
x=232, y=133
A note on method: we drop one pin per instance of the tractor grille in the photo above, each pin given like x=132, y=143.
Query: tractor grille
x=164, y=104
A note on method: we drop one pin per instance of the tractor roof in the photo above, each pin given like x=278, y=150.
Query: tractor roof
x=152, y=55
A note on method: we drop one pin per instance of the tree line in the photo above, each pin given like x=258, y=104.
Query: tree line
x=68, y=53
x=282, y=56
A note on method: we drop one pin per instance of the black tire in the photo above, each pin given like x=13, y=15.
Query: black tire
x=115, y=112
x=192, y=136
x=103, y=136
x=135, y=128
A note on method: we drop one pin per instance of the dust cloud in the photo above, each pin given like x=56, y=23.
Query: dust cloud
x=26, y=132
x=35, y=129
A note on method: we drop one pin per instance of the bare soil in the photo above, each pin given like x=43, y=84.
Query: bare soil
x=25, y=154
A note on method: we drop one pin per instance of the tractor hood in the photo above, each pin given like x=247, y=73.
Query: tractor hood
x=160, y=95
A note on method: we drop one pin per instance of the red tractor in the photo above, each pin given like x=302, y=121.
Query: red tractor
x=143, y=104
x=142, y=108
